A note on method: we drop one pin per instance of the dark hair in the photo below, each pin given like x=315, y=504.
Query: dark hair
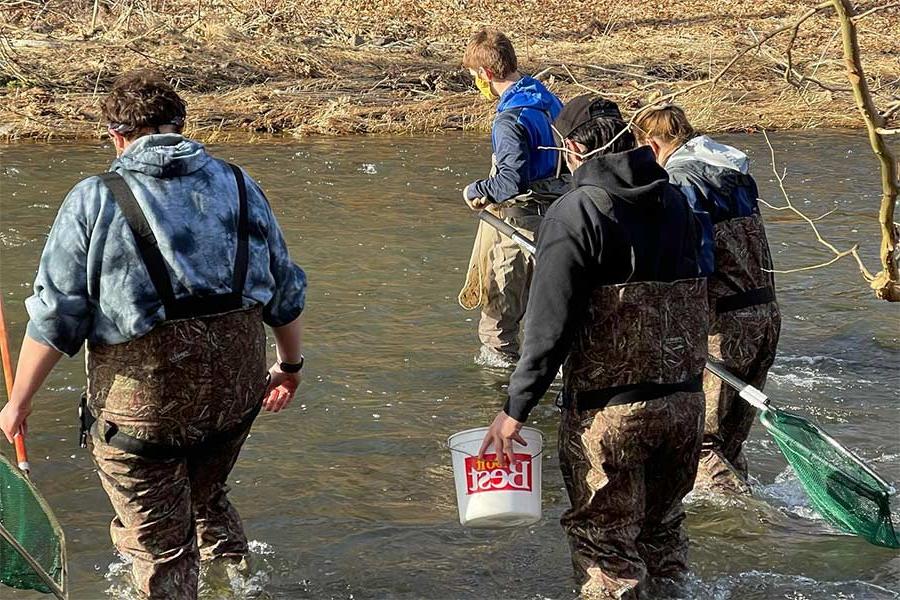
x=597, y=133
x=140, y=100
x=489, y=49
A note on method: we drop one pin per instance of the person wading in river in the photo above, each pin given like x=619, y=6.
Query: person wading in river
x=168, y=266
x=617, y=300
x=522, y=184
x=744, y=318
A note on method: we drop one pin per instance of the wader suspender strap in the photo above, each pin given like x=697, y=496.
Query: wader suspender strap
x=190, y=307
x=148, y=248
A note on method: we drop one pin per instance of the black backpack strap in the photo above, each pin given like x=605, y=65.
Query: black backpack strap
x=146, y=242
x=242, y=255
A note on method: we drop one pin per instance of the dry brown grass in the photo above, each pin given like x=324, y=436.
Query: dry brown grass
x=359, y=67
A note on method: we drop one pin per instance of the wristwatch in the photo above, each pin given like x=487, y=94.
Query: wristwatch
x=287, y=367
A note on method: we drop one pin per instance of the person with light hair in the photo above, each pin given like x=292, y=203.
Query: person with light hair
x=745, y=321
x=522, y=185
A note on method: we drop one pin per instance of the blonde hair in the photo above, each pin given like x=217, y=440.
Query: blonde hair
x=666, y=122
x=489, y=49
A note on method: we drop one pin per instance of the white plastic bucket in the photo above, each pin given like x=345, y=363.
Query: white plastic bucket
x=489, y=495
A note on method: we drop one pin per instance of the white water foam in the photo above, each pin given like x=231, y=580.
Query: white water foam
x=760, y=585
x=231, y=582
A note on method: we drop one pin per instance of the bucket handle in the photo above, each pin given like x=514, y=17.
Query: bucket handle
x=452, y=449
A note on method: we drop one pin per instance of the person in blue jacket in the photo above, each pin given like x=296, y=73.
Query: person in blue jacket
x=745, y=321
x=523, y=182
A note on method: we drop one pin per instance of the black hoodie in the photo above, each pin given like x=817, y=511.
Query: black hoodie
x=622, y=222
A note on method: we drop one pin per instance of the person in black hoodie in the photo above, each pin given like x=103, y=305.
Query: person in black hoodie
x=617, y=300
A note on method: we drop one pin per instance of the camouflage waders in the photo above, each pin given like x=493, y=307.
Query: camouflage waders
x=192, y=385
x=168, y=413
x=506, y=294
x=626, y=469
x=631, y=431
x=500, y=271
x=744, y=328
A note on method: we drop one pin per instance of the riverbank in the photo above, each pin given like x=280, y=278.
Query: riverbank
x=335, y=68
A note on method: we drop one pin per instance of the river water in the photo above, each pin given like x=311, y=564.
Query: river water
x=349, y=494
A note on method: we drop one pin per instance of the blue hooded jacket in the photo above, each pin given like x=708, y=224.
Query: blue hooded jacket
x=716, y=180
x=522, y=124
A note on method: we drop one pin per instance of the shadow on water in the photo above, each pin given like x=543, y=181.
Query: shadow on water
x=350, y=493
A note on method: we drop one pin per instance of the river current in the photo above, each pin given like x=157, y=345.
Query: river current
x=349, y=493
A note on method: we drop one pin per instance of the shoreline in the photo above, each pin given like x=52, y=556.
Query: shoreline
x=395, y=68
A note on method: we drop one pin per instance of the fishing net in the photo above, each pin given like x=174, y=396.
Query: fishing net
x=28, y=529
x=841, y=488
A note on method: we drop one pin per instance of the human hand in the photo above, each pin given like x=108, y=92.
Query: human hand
x=501, y=434
x=281, y=389
x=13, y=420
x=474, y=203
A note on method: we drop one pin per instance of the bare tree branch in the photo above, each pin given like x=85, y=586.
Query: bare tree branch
x=789, y=206
x=887, y=283
x=875, y=9
x=795, y=29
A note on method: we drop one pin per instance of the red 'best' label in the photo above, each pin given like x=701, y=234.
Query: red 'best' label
x=487, y=475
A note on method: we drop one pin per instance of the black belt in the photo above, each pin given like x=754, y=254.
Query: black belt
x=112, y=435
x=628, y=394
x=527, y=209
x=762, y=295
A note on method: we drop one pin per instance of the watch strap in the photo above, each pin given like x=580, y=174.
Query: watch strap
x=287, y=367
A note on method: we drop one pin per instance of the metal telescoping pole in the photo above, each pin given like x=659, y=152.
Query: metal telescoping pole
x=507, y=230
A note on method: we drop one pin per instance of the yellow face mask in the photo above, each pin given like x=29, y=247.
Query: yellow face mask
x=484, y=86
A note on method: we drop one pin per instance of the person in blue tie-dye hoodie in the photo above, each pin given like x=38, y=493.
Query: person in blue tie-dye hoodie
x=524, y=181
x=167, y=266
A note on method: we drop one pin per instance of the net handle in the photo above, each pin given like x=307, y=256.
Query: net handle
x=12, y=541
x=746, y=391
x=759, y=400
x=19, y=439
x=507, y=230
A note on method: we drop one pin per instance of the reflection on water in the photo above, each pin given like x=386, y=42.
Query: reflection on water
x=350, y=494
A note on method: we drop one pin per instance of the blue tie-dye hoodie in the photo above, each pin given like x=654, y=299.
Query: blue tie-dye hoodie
x=92, y=284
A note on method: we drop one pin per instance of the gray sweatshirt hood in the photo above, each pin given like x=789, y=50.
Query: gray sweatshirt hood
x=711, y=152
x=163, y=155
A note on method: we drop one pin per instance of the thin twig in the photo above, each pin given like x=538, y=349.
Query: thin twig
x=839, y=254
x=875, y=9
x=837, y=257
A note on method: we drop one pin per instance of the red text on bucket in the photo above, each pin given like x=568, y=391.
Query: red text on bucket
x=487, y=475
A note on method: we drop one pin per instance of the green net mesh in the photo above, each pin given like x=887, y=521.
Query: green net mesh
x=839, y=488
x=25, y=517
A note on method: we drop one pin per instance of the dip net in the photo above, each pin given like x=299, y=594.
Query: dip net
x=846, y=492
x=32, y=546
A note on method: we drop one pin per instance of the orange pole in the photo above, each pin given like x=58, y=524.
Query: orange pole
x=21, y=452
